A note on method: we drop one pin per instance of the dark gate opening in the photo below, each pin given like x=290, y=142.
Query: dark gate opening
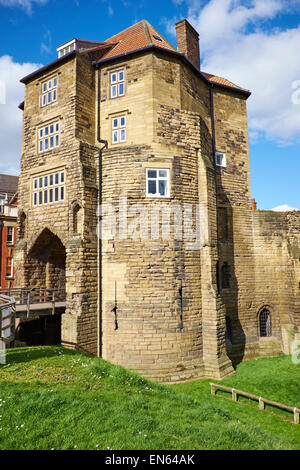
x=41, y=331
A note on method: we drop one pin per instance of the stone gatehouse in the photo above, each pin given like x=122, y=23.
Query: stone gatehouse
x=114, y=133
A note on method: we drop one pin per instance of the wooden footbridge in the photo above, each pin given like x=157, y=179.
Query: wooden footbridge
x=27, y=303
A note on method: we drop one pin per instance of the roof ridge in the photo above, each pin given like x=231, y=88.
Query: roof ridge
x=159, y=34
x=148, y=35
x=123, y=31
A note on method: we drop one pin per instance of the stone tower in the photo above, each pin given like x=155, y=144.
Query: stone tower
x=135, y=198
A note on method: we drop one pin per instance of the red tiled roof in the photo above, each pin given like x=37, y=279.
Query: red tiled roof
x=138, y=36
x=221, y=81
x=142, y=35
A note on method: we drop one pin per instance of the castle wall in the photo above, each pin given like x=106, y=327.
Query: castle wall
x=276, y=250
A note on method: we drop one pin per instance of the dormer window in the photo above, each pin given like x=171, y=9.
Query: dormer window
x=64, y=50
x=49, y=92
x=117, y=84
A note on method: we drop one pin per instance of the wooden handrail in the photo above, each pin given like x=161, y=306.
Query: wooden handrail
x=35, y=294
x=7, y=303
x=262, y=402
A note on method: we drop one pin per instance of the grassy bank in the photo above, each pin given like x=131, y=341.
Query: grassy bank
x=53, y=398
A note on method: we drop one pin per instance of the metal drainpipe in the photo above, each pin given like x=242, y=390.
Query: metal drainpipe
x=105, y=145
x=1, y=253
x=213, y=131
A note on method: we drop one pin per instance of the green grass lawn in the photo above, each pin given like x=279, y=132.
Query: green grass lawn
x=53, y=398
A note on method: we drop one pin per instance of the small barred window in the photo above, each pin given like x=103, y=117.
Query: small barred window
x=265, y=325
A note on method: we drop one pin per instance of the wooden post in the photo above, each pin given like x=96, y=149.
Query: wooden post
x=13, y=324
x=28, y=304
x=213, y=390
x=296, y=416
x=261, y=404
x=234, y=395
x=53, y=302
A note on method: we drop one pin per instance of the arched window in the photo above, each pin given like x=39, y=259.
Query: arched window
x=77, y=219
x=225, y=276
x=265, y=325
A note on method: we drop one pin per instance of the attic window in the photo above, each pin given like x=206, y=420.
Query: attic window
x=157, y=37
x=70, y=47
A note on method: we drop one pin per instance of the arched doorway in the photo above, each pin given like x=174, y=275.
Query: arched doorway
x=45, y=268
x=46, y=262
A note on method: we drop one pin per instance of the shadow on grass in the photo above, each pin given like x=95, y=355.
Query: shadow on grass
x=18, y=355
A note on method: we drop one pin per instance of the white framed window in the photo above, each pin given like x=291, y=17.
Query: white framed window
x=49, y=92
x=118, y=130
x=158, y=182
x=10, y=236
x=220, y=159
x=117, y=84
x=66, y=50
x=48, y=137
x=48, y=189
x=9, y=268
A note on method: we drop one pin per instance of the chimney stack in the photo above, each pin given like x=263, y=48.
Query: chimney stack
x=254, y=204
x=188, y=42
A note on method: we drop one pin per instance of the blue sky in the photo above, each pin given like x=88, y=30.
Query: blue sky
x=254, y=43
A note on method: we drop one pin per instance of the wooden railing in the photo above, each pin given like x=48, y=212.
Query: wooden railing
x=262, y=402
x=36, y=295
x=7, y=318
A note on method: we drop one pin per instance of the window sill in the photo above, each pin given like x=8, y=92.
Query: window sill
x=157, y=197
x=47, y=105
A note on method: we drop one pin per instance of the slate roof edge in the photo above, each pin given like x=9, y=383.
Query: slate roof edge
x=237, y=89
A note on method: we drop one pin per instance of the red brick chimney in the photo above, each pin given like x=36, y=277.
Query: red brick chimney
x=188, y=42
x=254, y=204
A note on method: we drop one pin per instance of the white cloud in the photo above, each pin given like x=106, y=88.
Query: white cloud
x=284, y=208
x=10, y=116
x=46, y=44
x=24, y=4
x=237, y=42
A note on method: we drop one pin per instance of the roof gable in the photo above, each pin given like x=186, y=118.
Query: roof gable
x=8, y=184
x=138, y=36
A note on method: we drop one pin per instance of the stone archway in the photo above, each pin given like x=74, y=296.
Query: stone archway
x=46, y=262
x=45, y=267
